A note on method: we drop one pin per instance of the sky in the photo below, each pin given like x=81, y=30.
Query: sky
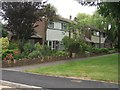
x=71, y=7
x=65, y=8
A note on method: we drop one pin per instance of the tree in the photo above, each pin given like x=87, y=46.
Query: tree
x=21, y=17
x=112, y=11
x=3, y=32
x=107, y=9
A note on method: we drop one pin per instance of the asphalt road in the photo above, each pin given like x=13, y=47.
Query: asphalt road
x=51, y=82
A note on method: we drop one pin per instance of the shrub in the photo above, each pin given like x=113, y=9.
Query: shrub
x=99, y=50
x=38, y=47
x=104, y=50
x=35, y=54
x=74, y=47
x=67, y=41
x=13, y=45
x=6, y=54
x=4, y=43
x=28, y=48
x=61, y=53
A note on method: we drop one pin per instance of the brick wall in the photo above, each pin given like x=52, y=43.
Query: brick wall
x=40, y=29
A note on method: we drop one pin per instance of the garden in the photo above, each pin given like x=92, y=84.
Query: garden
x=35, y=54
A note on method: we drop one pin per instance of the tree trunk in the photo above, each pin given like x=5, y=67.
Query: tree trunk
x=21, y=44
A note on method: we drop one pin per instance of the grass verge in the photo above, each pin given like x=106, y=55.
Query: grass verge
x=104, y=68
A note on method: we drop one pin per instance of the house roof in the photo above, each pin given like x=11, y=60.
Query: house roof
x=95, y=29
x=88, y=40
x=64, y=19
x=36, y=36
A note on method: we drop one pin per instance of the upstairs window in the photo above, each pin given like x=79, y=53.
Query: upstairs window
x=63, y=26
x=51, y=25
x=96, y=33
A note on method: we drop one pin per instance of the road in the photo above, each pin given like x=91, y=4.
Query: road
x=51, y=82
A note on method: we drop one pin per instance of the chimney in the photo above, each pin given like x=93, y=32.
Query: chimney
x=70, y=17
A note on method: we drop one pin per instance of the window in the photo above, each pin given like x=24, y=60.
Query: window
x=51, y=25
x=96, y=33
x=104, y=35
x=63, y=26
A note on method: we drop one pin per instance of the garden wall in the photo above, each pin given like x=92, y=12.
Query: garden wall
x=24, y=62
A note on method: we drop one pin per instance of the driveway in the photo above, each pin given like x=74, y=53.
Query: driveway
x=51, y=81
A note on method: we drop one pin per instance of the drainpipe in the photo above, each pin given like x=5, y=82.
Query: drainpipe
x=99, y=39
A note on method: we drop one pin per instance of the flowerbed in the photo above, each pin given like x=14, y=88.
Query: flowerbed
x=25, y=61
x=46, y=59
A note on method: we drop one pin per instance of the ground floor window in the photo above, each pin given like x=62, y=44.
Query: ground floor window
x=54, y=45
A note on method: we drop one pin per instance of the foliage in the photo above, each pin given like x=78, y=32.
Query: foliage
x=2, y=30
x=38, y=47
x=13, y=45
x=74, y=47
x=110, y=10
x=4, y=43
x=61, y=53
x=66, y=41
x=21, y=17
x=99, y=50
x=28, y=47
x=35, y=54
x=39, y=51
x=10, y=55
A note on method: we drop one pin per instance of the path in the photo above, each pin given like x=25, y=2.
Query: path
x=22, y=68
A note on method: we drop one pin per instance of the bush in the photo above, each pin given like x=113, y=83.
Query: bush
x=28, y=48
x=4, y=43
x=67, y=41
x=35, y=54
x=15, y=55
x=99, y=50
x=74, y=47
x=61, y=53
x=13, y=45
x=5, y=53
x=104, y=50
x=38, y=47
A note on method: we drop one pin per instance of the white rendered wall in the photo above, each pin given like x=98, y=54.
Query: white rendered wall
x=55, y=35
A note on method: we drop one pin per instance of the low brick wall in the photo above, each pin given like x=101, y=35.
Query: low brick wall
x=24, y=62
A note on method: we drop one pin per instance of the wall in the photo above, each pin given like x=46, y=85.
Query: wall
x=95, y=39
x=40, y=29
x=56, y=35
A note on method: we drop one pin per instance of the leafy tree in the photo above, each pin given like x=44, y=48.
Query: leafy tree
x=21, y=17
x=3, y=32
x=107, y=9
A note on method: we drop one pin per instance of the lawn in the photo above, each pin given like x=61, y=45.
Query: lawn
x=104, y=68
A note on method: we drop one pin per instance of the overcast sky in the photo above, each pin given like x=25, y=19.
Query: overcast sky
x=65, y=8
x=71, y=7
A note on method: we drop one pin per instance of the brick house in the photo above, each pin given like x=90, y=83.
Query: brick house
x=53, y=35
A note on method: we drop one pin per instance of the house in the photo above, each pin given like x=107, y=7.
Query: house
x=53, y=35
x=95, y=37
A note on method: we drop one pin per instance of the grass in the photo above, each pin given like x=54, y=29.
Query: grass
x=103, y=68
